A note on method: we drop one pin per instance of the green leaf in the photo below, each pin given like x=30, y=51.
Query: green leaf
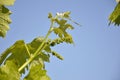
x=43, y=56
x=4, y=20
x=45, y=78
x=4, y=55
x=36, y=43
x=19, y=53
x=59, y=32
x=68, y=26
x=38, y=60
x=9, y=71
x=37, y=73
x=7, y=2
x=47, y=47
x=4, y=9
x=115, y=15
x=68, y=39
x=2, y=31
x=16, y=52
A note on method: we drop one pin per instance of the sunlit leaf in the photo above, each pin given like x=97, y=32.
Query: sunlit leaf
x=68, y=39
x=4, y=55
x=44, y=57
x=4, y=20
x=115, y=16
x=37, y=73
x=45, y=77
x=36, y=43
x=4, y=9
x=7, y=2
x=9, y=71
x=19, y=53
x=59, y=32
x=68, y=26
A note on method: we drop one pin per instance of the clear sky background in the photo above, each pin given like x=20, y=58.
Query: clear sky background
x=96, y=53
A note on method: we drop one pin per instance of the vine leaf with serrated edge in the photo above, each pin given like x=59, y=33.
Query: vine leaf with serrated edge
x=9, y=71
x=16, y=52
x=5, y=16
x=36, y=72
x=4, y=20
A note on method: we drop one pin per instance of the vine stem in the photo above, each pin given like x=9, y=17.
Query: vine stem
x=38, y=50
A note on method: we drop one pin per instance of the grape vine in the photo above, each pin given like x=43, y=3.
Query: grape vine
x=21, y=57
x=31, y=57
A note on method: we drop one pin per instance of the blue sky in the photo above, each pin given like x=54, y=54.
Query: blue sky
x=96, y=53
